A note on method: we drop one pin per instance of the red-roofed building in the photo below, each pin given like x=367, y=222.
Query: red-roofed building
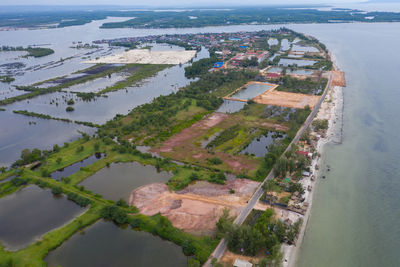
x=273, y=75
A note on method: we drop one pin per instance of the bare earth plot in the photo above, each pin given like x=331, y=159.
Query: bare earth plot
x=338, y=79
x=197, y=208
x=286, y=99
x=184, y=146
x=146, y=56
x=181, y=147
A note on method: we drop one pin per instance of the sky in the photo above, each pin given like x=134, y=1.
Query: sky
x=172, y=3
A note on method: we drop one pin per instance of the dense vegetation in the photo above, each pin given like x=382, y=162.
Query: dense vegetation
x=265, y=234
x=304, y=86
x=269, y=15
x=199, y=67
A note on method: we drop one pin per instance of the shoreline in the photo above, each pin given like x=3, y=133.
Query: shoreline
x=331, y=109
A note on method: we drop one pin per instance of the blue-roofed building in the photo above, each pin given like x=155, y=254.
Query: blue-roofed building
x=243, y=46
x=235, y=39
x=218, y=64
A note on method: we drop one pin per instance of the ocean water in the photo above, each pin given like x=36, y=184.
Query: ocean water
x=355, y=214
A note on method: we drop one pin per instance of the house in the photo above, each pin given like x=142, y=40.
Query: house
x=218, y=65
x=273, y=75
x=305, y=153
x=242, y=263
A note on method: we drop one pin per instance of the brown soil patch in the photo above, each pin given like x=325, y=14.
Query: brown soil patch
x=197, y=208
x=193, y=131
x=230, y=257
x=286, y=99
x=338, y=78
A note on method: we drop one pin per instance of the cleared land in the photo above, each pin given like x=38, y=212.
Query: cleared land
x=186, y=145
x=146, y=56
x=286, y=99
x=197, y=208
x=338, y=79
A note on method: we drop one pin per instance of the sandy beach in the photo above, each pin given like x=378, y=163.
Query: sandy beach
x=331, y=109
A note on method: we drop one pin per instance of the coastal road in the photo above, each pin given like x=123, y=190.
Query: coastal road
x=220, y=249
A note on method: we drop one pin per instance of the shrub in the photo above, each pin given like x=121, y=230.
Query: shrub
x=56, y=190
x=215, y=160
x=115, y=214
x=69, y=109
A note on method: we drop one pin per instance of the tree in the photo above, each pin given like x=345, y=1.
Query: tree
x=59, y=160
x=56, y=190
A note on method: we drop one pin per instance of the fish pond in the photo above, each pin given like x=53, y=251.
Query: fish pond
x=251, y=90
x=231, y=106
x=105, y=244
x=299, y=62
x=118, y=180
x=31, y=212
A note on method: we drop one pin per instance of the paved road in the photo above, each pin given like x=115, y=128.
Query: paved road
x=220, y=249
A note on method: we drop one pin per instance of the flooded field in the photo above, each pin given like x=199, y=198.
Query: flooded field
x=259, y=145
x=27, y=132
x=67, y=171
x=31, y=212
x=120, y=179
x=105, y=244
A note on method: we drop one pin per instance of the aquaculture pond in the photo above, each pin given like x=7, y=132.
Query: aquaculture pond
x=118, y=180
x=231, y=106
x=274, y=69
x=285, y=45
x=67, y=171
x=299, y=62
x=105, y=244
x=31, y=212
x=300, y=72
x=259, y=145
x=273, y=41
x=252, y=90
x=304, y=48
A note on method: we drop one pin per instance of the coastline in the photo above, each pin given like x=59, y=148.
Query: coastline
x=332, y=110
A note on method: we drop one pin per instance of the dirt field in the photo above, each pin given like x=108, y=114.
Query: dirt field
x=338, y=79
x=192, y=131
x=197, y=208
x=286, y=99
x=146, y=56
x=182, y=147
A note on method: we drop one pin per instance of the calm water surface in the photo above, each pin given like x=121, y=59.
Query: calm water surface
x=118, y=180
x=30, y=213
x=105, y=244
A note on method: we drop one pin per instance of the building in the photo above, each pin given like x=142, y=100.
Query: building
x=218, y=65
x=242, y=263
x=260, y=55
